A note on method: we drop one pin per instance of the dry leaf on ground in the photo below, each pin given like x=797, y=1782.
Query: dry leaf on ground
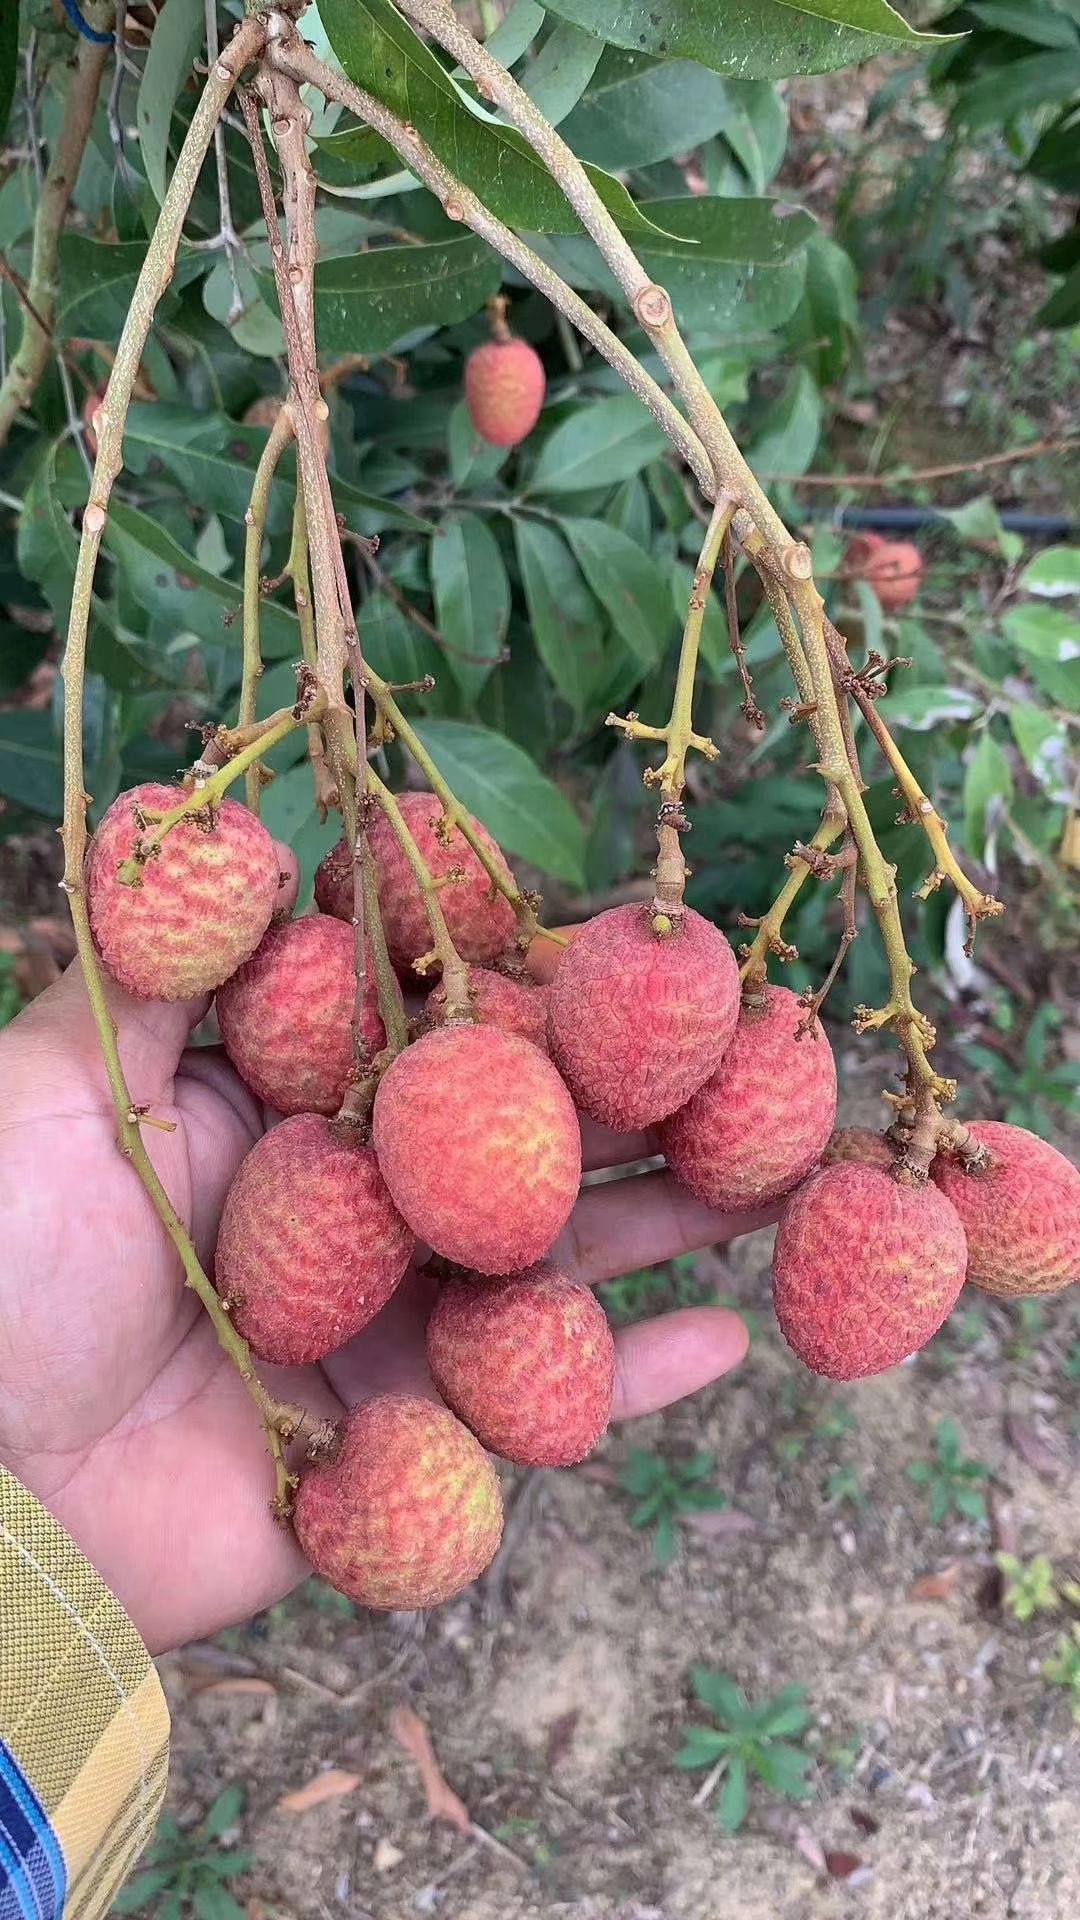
x=325, y=1786
x=442, y=1802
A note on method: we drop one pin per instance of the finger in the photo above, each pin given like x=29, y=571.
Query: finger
x=390, y=1356
x=662, y=1360
x=603, y=1147
x=642, y=1220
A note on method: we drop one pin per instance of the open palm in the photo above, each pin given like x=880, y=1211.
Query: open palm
x=116, y=1405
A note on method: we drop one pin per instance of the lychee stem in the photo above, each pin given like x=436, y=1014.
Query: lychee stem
x=455, y=973
x=327, y=791
x=767, y=940
x=497, y=309
x=281, y=434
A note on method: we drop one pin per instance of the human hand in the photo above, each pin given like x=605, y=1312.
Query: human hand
x=118, y=1408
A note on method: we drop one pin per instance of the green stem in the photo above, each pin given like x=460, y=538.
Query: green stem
x=391, y=1010
x=281, y=434
x=767, y=940
x=327, y=792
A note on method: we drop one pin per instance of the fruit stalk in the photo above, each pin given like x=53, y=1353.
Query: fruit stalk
x=296, y=568
x=367, y=913
x=767, y=940
x=281, y=434
x=454, y=971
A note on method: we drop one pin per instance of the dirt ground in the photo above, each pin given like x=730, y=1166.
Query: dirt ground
x=947, y=1770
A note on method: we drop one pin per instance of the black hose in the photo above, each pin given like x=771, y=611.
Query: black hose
x=1038, y=526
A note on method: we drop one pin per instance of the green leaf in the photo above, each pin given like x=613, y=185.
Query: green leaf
x=178, y=34
x=764, y=40
x=290, y=814
x=923, y=709
x=213, y=1902
x=1047, y=633
x=719, y=1693
x=979, y=520
x=31, y=762
x=597, y=446
x=785, y=1713
x=1045, y=747
x=757, y=129
x=380, y=52
x=394, y=644
x=665, y=1540
x=140, y=1891
x=368, y=302
x=1016, y=87
x=97, y=280
x=760, y=232
x=567, y=626
x=789, y=433
x=515, y=32
x=628, y=582
x=638, y=111
x=970, y=1502
x=1026, y=22
x=731, y=1806
x=561, y=71
x=702, y=1747
x=826, y=320
x=225, y=1811
x=784, y=1769
x=167, y=581
x=9, y=61
x=498, y=782
x=1053, y=574
x=648, y=1508
x=472, y=598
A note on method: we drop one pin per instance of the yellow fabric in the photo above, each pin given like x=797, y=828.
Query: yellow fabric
x=81, y=1706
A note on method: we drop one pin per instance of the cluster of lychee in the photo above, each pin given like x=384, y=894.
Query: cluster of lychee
x=473, y=1156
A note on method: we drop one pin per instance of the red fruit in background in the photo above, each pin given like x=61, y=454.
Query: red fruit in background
x=1021, y=1215
x=481, y=927
x=758, y=1125
x=286, y=1017
x=479, y=1144
x=202, y=903
x=864, y=1270
x=512, y=1005
x=504, y=390
x=637, y=1020
x=894, y=568
x=311, y=1245
x=408, y=1512
x=528, y=1362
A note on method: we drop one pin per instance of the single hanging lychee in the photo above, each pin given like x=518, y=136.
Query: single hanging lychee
x=639, y=1020
x=864, y=1270
x=515, y=1004
x=1021, y=1213
x=528, y=1362
x=894, y=568
x=202, y=900
x=479, y=1144
x=311, y=1246
x=504, y=390
x=758, y=1125
x=286, y=1016
x=480, y=920
x=407, y=1513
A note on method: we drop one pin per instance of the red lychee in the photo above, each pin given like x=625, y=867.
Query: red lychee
x=407, y=1513
x=202, y=901
x=481, y=926
x=528, y=1362
x=859, y=1143
x=638, y=1020
x=311, y=1245
x=864, y=1270
x=894, y=568
x=286, y=1016
x=1021, y=1215
x=504, y=390
x=513, y=1005
x=758, y=1125
x=479, y=1144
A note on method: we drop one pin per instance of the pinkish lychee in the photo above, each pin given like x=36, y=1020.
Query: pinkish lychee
x=1021, y=1213
x=504, y=390
x=513, y=1004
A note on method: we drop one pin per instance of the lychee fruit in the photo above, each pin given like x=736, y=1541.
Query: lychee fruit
x=758, y=1125
x=311, y=1246
x=515, y=1005
x=480, y=921
x=407, y=1513
x=864, y=1270
x=1021, y=1214
x=200, y=905
x=479, y=1144
x=859, y=1143
x=639, y=1020
x=286, y=1015
x=504, y=390
x=894, y=568
x=528, y=1362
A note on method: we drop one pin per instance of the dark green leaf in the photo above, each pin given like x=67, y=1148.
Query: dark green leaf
x=641, y=1472
x=290, y=814
x=498, y=782
x=556, y=79
x=987, y=779
x=165, y=579
x=719, y=1693
x=179, y=31
x=597, y=446
x=1036, y=81
x=395, y=646
x=784, y=1769
x=665, y=1541
x=472, y=598
x=718, y=227
x=765, y=39
x=567, y=626
x=369, y=302
x=97, y=280
x=786, y=1712
x=225, y=1811
x=213, y=1902
x=702, y=1747
x=789, y=433
x=31, y=762
x=638, y=111
x=648, y=1508
x=1026, y=21
x=731, y=1806
x=628, y=582
x=140, y=1891
x=827, y=317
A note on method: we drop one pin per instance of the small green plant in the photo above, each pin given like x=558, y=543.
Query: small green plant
x=961, y=1333
x=836, y=1422
x=185, y=1870
x=1063, y=1668
x=950, y=1477
x=1030, y=1325
x=664, y=1490
x=1029, y=1589
x=748, y=1741
x=649, y=1290
x=1029, y=1088
x=843, y=1484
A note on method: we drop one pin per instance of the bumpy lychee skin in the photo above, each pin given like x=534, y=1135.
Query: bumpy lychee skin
x=1021, y=1216
x=504, y=390
x=758, y=1125
x=513, y=1005
x=408, y=1513
x=637, y=1021
x=864, y=1270
x=479, y=1144
x=481, y=927
x=528, y=1362
x=286, y=1016
x=870, y=1149
x=201, y=906
x=311, y=1245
